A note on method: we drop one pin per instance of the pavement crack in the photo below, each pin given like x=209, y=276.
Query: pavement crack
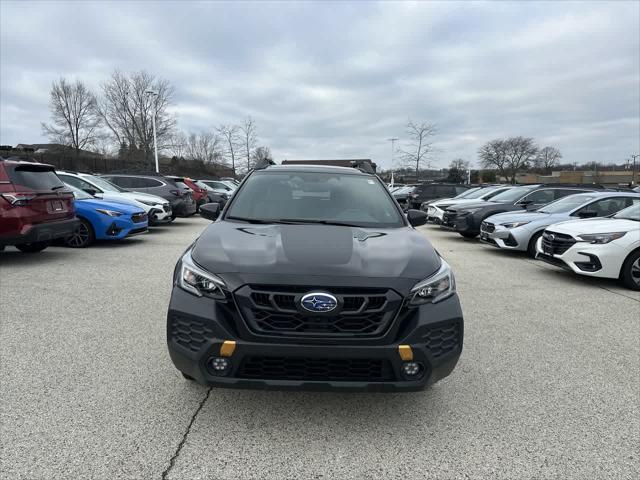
x=176, y=454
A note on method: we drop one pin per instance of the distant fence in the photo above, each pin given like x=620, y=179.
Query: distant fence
x=99, y=164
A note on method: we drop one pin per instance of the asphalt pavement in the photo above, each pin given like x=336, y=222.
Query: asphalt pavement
x=547, y=386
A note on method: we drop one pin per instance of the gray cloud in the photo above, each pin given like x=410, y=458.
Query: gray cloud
x=332, y=79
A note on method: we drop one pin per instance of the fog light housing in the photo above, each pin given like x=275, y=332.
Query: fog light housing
x=219, y=365
x=412, y=370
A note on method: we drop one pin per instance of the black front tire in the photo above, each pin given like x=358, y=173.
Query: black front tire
x=531, y=248
x=468, y=234
x=188, y=377
x=34, y=247
x=82, y=237
x=630, y=273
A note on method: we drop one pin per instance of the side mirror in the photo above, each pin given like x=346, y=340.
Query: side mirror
x=587, y=214
x=90, y=191
x=210, y=211
x=525, y=203
x=416, y=217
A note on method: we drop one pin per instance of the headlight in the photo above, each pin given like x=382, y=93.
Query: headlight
x=437, y=287
x=111, y=213
x=197, y=281
x=514, y=224
x=469, y=211
x=601, y=237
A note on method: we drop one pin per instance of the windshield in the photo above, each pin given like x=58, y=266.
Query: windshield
x=468, y=193
x=103, y=184
x=358, y=200
x=513, y=194
x=629, y=213
x=79, y=194
x=481, y=193
x=567, y=204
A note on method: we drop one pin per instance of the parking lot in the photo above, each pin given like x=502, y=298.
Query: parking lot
x=547, y=385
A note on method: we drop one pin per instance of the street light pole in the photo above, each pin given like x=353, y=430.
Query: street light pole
x=633, y=172
x=153, y=123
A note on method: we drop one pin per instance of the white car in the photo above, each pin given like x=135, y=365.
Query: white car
x=157, y=208
x=435, y=209
x=603, y=247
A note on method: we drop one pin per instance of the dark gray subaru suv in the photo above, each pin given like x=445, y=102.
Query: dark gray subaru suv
x=313, y=278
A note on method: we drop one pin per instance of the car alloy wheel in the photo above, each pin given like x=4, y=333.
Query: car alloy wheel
x=630, y=274
x=635, y=272
x=81, y=237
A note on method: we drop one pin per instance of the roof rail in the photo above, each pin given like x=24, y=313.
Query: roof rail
x=263, y=163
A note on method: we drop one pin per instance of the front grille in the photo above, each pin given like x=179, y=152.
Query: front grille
x=556, y=243
x=488, y=227
x=189, y=333
x=449, y=218
x=318, y=369
x=139, y=217
x=442, y=340
x=276, y=310
x=166, y=207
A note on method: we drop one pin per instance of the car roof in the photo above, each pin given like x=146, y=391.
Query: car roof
x=19, y=161
x=302, y=168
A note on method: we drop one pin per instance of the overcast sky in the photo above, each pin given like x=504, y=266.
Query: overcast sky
x=336, y=80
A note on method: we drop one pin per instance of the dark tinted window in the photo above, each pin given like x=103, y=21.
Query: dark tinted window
x=124, y=182
x=181, y=184
x=607, y=206
x=354, y=199
x=33, y=178
x=541, y=197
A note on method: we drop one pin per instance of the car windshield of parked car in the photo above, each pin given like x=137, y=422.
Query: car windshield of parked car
x=629, y=213
x=468, y=193
x=79, y=194
x=103, y=184
x=313, y=197
x=567, y=204
x=512, y=194
x=483, y=192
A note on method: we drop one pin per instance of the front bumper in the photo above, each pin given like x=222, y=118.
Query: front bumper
x=602, y=261
x=434, y=215
x=159, y=215
x=42, y=232
x=118, y=228
x=461, y=223
x=505, y=238
x=197, y=328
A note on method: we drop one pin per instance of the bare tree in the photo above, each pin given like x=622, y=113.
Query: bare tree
x=493, y=155
x=419, y=149
x=458, y=170
x=177, y=144
x=74, y=115
x=248, y=132
x=547, y=158
x=232, y=141
x=127, y=109
x=204, y=146
x=261, y=153
x=520, y=153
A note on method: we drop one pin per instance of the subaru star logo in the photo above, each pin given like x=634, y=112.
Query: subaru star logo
x=318, y=302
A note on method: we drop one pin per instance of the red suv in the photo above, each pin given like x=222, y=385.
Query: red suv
x=35, y=206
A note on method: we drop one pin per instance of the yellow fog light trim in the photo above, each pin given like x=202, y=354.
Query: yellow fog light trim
x=406, y=354
x=227, y=348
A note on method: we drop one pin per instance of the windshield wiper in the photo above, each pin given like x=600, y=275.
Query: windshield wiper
x=249, y=220
x=58, y=187
x=296, y=221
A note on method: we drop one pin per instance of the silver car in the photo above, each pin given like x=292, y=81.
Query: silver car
x=521, y=230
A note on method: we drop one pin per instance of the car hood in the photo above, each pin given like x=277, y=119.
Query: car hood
x=146, y=197
x=124, y=208
x=315, y=250
x=123, y=199
x=520, y=216
x=474, y=204
x=460, y=201
x=595, y=225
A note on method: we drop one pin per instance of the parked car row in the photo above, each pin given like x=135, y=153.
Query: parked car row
x=39, y=205
x=589, y=230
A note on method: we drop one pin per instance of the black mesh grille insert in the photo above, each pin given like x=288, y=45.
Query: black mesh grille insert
x=189, y=332
x=556, y=243
x=442, y=340
x=319, y=369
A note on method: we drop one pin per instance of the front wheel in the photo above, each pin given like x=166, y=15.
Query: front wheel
x=468, y=234
x=630, y=273
x=34, y=247
x=531, y=248
x=82, y=236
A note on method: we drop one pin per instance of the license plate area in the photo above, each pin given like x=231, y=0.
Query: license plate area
x=56, y=206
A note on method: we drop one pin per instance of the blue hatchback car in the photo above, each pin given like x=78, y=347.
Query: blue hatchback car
x=104, y=220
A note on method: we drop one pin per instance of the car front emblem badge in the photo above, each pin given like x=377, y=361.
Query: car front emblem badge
x=319, y=302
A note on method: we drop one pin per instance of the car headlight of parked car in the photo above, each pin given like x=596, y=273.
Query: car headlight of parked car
x=514, y=224
x=151, y=203
x=437, y=287
x=600, y=238
x=199, y=282
x=110, y=213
